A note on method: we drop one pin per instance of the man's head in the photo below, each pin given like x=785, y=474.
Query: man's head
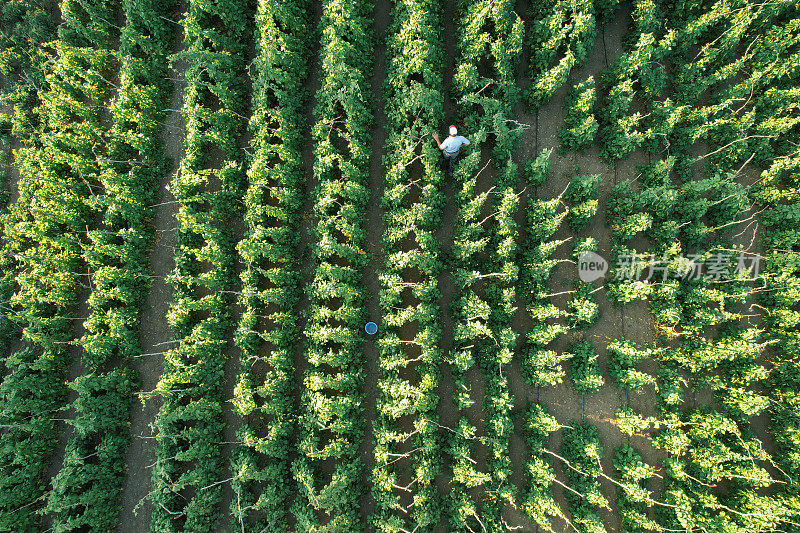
x=453, y=131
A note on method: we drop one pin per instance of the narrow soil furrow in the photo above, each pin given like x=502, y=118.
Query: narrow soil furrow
x=156, y=336
x=448, y=414
x=373, y=226
x=523, y=394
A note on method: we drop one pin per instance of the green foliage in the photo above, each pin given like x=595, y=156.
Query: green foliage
x=536, y=170
x=484, y=254
x=27, y=28
x=87, y=493
x=623, y=356
x=330, y=421
x=605, y=10
x=582, y=448
x=586, y=244
x=627, y=212
x=538, y=502
x=584, y=371
x=629, y=290
x=707, y=89
x=562, y=38
x=543, y=219
x=582, y=194
x=582, y=307
x=634, y=498
x=638, y=71
x=708, y=449
x=409, y=373
x=46, y=231
x=614, y=142
x=632, y=423
x=657, y=173
x=190, y=423
x=580, y=125
x=543, y=367
x=583, y=188
x=273, y=201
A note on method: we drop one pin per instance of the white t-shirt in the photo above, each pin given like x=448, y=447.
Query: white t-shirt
x=452, y=144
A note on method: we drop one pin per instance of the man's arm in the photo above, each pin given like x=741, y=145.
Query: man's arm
x=465, y=142
x=436, y=138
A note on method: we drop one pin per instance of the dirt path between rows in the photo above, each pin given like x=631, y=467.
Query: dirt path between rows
x=374, y=233
x=156, y=336
x=447, y=412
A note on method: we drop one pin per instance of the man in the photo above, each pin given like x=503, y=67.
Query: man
x=450, y=147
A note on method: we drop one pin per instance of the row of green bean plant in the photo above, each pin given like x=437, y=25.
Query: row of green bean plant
x=267, y=334
x=329, y=468
x=406, y=430
x=88, y=487
x=46, y=231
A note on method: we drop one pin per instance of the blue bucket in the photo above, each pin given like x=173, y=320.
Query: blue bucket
x=371, y=328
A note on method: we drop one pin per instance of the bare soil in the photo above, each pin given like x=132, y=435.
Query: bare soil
x=373, y=226
x=447, y=412
x=156, y=335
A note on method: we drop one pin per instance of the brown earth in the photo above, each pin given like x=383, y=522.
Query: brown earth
x=156, y=335
x=373, y=226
